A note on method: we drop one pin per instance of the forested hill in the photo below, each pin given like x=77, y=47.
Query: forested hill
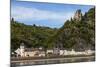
x=77, y=33
x=30, y=35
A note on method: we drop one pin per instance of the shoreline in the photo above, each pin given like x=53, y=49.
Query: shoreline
x=52, y=61
x=50, y=58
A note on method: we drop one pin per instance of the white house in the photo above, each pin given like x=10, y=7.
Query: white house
x=49, y=51
x=18, y=52
x=62, y=52
x=29, y=52
x=89, y=52
x=56, y=51
x=42, y=54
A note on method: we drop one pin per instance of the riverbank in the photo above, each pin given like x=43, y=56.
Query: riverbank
x=53, y=59
x=47, y=57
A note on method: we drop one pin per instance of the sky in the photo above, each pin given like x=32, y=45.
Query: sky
x=44, y=14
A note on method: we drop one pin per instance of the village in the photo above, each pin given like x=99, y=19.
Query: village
x=41, y=52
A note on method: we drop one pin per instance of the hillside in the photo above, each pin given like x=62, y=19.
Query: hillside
x=30, y=35
x=77, y=33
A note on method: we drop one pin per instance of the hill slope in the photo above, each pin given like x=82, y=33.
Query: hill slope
x=78, y=34
x=31, y=35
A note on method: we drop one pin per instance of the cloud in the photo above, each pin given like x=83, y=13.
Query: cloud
x=25, y=14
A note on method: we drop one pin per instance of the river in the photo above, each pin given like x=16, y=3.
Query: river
x=51, y=61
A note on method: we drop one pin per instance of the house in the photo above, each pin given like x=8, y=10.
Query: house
x=89, y=52
x=62, y=52
x=30, y=52
x=53, y=51
x=49, y=52
x=56, y=51
x=20, y=51
x=42, y=53
x=72, y=52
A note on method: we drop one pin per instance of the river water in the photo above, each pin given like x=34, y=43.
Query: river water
x=52, y=61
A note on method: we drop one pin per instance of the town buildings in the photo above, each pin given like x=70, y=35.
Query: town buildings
x=41, y=52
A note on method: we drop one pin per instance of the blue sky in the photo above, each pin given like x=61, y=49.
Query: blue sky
x=44, y=14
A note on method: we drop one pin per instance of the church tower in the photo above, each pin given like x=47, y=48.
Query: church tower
x=22, y=49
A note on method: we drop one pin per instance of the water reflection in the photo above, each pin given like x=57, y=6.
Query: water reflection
x=41, y=62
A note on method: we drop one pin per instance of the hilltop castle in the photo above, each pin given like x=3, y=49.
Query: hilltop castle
x=78, y=15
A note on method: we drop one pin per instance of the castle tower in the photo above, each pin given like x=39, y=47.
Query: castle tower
x=78, y=15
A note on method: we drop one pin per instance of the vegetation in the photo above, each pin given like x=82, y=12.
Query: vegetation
x=31, y=35
x=79, y=35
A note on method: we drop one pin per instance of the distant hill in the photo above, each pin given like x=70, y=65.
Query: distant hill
x=77, y=33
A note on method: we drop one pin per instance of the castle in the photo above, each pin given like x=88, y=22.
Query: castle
x=78, y=15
